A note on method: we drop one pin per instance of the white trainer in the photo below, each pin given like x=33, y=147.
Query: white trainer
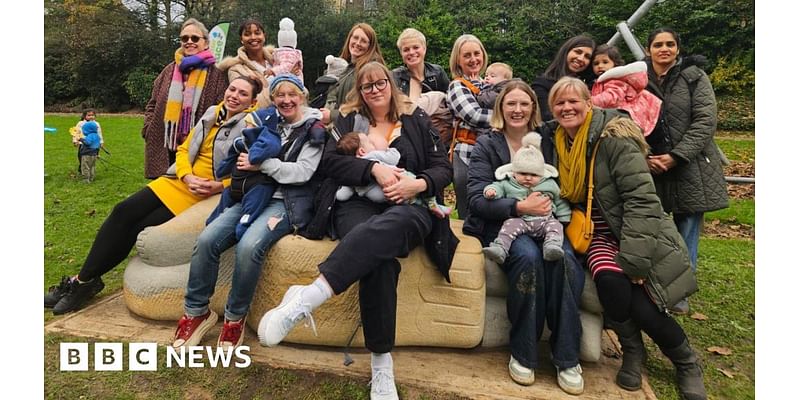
x=570, y=380
x=382, y=385
x=520, y=374
x=278, y=322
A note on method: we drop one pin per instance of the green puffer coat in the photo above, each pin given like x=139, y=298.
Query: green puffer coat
x=649, y=243
x=697, y=183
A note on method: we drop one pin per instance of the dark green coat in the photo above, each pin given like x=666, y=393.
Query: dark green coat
x=650, y=245
x=697, y=183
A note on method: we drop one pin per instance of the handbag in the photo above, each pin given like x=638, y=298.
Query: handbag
x=580, y=228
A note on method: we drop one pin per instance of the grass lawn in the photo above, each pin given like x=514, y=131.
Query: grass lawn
x=74, y=211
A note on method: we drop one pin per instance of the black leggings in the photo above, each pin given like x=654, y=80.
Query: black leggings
x=117, y=235
x=622, y=300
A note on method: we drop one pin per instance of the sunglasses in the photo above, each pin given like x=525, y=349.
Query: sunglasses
x=193, y=38
x=380, y=84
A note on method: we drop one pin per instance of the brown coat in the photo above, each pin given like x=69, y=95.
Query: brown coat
x=156, y=156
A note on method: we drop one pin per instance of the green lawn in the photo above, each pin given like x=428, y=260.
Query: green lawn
x=737, y=148
x=74, y=211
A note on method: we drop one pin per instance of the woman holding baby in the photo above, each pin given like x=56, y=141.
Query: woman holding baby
x=539, y=290
x=373, y=235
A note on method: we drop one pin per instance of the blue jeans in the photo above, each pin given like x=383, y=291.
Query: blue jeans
x=219, y=236
x=689, y=228
x=543, y=290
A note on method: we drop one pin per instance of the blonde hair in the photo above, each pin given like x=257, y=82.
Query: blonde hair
x=498, y=121
x=410, y=34
x=196, y=23
x=294, y=89
x=455, y=69
x=399, y=103
x=504, y=66
x=565, y=83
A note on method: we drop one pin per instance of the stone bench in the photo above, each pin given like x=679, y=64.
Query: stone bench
x=466, y=313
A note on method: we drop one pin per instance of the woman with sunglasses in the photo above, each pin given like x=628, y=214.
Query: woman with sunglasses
x=182, y=92
x=372, y=235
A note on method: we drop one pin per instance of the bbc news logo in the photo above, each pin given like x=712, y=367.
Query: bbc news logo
x=144, y=357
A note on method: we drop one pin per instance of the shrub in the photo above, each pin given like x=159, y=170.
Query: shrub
x=736, y=113
x=732, y=77
x=139, y=85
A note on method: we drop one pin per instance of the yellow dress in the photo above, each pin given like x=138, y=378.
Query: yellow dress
x=172, y=191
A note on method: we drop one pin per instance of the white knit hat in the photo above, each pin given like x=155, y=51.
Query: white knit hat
x=336, y=66
x=529, y=158
x=287, y=37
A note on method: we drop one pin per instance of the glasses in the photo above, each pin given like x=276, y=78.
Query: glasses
x=380, y=84
x=193, y=38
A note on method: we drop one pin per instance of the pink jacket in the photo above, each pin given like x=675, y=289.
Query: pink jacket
x=285, y=59
x=624, y=87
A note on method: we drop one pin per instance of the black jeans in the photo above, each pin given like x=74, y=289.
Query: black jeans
x=372, y=237
x=117, y=235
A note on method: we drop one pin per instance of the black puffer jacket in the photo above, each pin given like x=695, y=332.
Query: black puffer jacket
x=697, y=183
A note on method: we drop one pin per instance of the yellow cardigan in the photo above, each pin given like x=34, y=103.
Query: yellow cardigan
x=172, y=191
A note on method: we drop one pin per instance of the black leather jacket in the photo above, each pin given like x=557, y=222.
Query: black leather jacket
x=435, y=79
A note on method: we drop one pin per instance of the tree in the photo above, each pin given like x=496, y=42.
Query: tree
x=94, y=50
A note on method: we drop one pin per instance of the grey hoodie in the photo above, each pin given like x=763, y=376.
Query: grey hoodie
x=299, y=172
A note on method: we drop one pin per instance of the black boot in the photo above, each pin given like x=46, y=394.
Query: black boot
x=634, y=354
x=688, y=371
x=56, y=292
x=78, y=294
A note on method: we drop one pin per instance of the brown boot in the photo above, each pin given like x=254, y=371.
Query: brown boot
x=688, y=371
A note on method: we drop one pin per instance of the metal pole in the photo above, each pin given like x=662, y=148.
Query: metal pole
x=740, y=179
x=630, y=40
x=634, y=19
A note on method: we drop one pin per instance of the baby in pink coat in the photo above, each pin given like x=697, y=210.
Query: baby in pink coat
x=286, y=56
x=623, y=86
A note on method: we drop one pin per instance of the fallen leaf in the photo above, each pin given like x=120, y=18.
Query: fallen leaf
x=723, y=351
x=725, y=372
x=699, y=317
x=91, y=212
x=734, y=226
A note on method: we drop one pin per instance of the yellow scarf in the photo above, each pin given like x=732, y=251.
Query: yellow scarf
x=572, y=162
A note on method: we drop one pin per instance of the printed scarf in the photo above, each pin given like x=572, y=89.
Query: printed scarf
x=184, y=96
x=572, y=162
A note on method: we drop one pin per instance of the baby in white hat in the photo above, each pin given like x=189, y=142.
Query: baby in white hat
x=528, y=173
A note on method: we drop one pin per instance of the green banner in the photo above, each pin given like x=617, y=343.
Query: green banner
x=219, y=34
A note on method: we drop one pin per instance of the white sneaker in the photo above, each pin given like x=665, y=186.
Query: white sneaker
x=382, y=385
x=278, y=322
x=520, y=374
x=570, y=379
